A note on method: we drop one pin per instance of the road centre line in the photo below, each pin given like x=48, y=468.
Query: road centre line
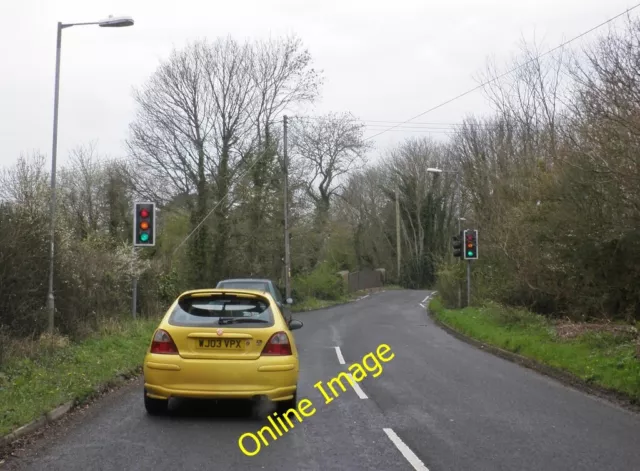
x=340, y=357
x=357, y=388
x=354, y=383
x=405, y=450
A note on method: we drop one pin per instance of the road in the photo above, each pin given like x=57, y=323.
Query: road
x=439, y=404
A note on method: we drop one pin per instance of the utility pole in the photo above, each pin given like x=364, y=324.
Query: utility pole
x=287, y=248
x=398, y=232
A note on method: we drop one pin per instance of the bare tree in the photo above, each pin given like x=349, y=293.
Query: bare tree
x=530, y=97
x=196, y=130
x=284, y=78
x=80, y=185
x=329, y=148
x=171, y=140
x=26, y=183
x=174, y=126
x=228, y=67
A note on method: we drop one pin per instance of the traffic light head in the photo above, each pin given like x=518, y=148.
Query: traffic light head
x=470, y=244
x=456, y=243
x=144, y=225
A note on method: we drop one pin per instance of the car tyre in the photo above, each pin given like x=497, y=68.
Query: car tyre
x=155, y=406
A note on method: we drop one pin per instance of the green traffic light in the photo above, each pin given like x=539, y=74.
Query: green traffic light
x=144, y=237
x=469, y=254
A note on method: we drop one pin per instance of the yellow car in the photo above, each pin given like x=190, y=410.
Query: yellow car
x=222, y=344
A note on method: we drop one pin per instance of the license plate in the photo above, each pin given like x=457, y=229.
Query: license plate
x=220, y=343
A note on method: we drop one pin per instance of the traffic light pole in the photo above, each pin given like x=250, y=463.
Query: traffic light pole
x=398, y=241
x=134, y=287
x=468, y=283
x=144, y=235
x=459, y=283
x=134, y=302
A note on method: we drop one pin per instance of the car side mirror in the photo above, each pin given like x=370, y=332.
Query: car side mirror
x=295, y=324
x=289, y=301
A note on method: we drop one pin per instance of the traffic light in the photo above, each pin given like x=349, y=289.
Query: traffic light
x=144, y=225
x=456, y=242
x=470, y=244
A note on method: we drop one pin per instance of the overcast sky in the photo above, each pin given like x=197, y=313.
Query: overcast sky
x=382, y=60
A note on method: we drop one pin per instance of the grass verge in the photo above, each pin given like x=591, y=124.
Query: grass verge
x=32, y=386
x=602, y=358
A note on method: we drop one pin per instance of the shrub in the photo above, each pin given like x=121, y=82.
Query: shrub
x=322, y=283
x=449, y=279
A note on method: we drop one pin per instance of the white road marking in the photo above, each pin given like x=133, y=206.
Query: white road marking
x=357, y=388
x=364, y=297
x=423, y=306
x=340, y=357
x=406, y=451
x=355, y=384
x=426, y=298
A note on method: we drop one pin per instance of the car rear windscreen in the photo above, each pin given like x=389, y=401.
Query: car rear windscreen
x=215, y=310
x=257, y=285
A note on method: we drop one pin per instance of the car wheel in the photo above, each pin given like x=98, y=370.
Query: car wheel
x=155, y=406
x=284, y=406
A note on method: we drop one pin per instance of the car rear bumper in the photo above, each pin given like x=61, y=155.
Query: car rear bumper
x=172, y=376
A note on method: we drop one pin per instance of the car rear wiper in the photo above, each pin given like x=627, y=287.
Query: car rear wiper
x=240, y=320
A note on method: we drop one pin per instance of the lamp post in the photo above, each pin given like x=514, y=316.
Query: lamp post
x=111, y=22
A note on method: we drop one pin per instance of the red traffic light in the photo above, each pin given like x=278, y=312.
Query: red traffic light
x=144, y=213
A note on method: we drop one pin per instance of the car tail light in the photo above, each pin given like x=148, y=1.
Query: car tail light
x=278, y=344
x=163, y=343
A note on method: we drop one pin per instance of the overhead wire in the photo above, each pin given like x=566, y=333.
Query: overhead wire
x=487, y=82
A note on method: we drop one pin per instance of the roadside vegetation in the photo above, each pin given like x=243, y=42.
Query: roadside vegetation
x=550, y=179
x=39, y=375
x=605, y=354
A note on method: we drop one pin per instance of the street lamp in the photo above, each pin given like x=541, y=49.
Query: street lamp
x=111, y=22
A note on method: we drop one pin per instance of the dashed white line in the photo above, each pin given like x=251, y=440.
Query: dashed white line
x=340, y=357
x=425, y=298
x=406, y=451
x=364, y=297
x=357, y=388
x=354, y=383
x=423, y=306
